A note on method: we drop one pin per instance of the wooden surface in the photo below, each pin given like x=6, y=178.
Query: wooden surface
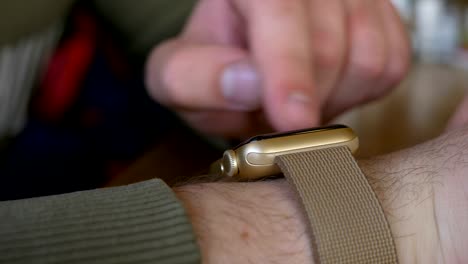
x=415, y=112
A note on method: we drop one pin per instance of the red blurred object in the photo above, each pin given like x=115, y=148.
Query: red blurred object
x=67, y=68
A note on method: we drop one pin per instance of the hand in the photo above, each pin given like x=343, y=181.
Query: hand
x=423, y=191
x=244, y=66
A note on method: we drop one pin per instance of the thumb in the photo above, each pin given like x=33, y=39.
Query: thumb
x=203, y=77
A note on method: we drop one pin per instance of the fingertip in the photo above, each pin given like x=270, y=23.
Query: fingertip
x=203, y=77
x=298, y=110
x=303, y=111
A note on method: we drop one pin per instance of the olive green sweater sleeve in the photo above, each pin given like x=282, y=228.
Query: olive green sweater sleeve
x=22, y=18
x=142, y=24
x=139, y=223
x=145, y=23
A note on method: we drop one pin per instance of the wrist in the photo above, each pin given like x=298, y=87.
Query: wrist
x=266, y=223
x=422, y=191
x=406, y=195
x=248, y=222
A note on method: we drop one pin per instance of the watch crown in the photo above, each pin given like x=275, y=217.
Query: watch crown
x=229, y=163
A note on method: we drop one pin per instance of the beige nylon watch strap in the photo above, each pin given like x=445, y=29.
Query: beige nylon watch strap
x=348, y=224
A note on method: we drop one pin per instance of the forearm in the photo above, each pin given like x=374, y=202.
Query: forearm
x=247, y=222
x=422, y=191
x=406, y=193
x=264, y=223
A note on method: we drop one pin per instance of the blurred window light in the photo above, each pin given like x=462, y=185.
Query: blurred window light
x=404, y=7
x=435, y=28
x=437, y=31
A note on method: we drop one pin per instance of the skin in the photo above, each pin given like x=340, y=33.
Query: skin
x=423, y=191
x=460, y=118
x=309, y=60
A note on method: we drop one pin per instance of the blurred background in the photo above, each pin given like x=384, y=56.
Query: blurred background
x=416, y=111
x=90, y=123
x=420, y=108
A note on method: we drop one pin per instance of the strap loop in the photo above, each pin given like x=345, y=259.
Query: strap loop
x=347, y=222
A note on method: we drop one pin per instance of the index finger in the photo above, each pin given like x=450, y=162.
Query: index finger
x=279, y=40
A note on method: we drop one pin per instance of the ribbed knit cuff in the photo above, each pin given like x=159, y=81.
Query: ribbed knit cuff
x=139, y=223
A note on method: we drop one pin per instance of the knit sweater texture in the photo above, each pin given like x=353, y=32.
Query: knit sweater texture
x=140, y=223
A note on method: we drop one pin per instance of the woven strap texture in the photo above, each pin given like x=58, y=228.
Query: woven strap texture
x=347, y=221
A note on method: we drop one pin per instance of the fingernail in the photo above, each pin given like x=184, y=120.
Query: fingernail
x=241, y=86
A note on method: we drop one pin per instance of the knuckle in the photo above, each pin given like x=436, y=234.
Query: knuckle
x=283, y=3
x=369, y=66
x=328, y=53
x=282, y=8
x=399, y=64
x=288, y=86
x=369, y=54
x=397, y=70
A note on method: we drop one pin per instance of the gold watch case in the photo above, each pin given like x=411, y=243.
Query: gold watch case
x=255, y=158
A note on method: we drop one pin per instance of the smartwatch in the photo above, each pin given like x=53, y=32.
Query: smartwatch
x=346, y=219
